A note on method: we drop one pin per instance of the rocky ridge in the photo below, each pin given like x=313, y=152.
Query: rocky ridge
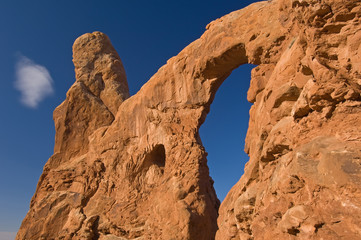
x=135, y=168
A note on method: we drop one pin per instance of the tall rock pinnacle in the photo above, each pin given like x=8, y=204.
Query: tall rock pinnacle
x=93, y=100
x=137, y=169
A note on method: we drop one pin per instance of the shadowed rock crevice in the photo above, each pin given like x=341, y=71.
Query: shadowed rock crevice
x=303, y=122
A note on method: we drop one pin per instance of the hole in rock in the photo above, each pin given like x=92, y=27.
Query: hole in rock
x=224, y=131
x=156, y=156
x=153, y=165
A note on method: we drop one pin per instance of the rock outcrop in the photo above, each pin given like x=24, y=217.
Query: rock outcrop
x=135, y=168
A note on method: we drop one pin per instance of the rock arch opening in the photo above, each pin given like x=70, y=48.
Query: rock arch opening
x=224, y=131
x=317, y=108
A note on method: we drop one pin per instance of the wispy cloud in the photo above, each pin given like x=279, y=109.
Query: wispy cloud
x=33, y=81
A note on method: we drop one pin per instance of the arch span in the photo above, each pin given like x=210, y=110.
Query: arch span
x=298, y=89
x=97, y=191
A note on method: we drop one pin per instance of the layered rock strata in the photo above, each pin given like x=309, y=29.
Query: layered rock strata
x=135, y=168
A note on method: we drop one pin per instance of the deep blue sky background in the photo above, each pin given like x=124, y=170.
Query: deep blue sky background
x=146, y=34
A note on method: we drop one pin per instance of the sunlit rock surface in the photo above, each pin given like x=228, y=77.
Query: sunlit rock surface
x=135, y=168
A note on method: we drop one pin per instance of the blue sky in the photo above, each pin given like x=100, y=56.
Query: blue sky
x=36, y=41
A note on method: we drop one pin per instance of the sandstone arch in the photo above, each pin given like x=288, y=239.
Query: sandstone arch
x=304, y=80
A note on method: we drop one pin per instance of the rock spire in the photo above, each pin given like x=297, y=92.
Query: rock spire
x=136, y=168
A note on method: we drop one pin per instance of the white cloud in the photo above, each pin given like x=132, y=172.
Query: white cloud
x=33, y=81
x=7, y=235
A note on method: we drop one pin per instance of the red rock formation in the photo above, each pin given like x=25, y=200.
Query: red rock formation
x=136, y=168
x=303, y=179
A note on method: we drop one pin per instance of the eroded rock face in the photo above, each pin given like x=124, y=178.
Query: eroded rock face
x=303, y=179
x=136, y=168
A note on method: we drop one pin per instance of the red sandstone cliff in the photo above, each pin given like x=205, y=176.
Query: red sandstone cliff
x=135, y=168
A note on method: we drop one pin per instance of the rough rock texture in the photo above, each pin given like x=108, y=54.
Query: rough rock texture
x=136, y=169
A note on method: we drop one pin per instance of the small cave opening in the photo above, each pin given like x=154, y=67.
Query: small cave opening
x=224, y=131
x=155, y=156
x=153, y=165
